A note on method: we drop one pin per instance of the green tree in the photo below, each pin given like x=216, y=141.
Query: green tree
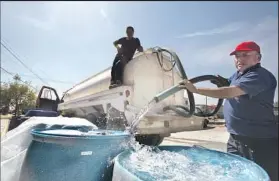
x=4, y=98
x=18, y=95
x=4, y=95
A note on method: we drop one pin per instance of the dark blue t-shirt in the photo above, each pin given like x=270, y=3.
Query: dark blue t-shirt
x=129, y=47
x=252, y=114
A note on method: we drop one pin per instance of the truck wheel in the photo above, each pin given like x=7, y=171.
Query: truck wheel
x=150, y=140
x=92, y=118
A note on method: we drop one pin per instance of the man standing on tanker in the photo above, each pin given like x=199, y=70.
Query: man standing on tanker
x=248, y=108
x=129, y=45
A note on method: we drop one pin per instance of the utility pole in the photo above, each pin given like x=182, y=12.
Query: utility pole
x=206, y=104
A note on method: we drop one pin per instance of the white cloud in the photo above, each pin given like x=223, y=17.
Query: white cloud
x=265, y=33
x=105, y=16
x=103, y=13
x=44, y=25
x=222, y=30
x=60, y=14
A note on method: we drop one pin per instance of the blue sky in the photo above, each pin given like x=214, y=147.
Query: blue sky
x=70, y=41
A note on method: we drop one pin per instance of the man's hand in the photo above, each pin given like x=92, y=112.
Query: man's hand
x=223, y=82
x=189, y=86
x=119, y=50
x=140, y=49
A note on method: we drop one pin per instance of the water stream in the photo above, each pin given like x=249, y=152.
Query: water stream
x=139, y=116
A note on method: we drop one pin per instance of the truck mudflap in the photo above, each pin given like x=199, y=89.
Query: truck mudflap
x=47, y=99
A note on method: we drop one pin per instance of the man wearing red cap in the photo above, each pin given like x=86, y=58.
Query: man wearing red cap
x=248, y=108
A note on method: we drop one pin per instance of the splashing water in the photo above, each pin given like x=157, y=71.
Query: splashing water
x=133, y=127
x=115, y=120
x=140, y=115
x=193, y=164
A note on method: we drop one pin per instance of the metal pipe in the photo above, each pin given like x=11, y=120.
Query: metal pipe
x=166, y=93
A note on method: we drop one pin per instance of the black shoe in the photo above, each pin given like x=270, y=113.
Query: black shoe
x=113, y=84
x=118, y=83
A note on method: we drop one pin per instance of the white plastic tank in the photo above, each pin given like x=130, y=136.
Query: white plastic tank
x=145, y=74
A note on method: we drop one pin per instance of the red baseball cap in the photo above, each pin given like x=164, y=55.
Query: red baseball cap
x=247, y=46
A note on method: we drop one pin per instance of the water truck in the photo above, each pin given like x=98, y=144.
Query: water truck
x=154, y=73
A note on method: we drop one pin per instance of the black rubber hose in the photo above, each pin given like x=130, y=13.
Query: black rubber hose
x=176, y=108
x=185, y=111
x=191, y=97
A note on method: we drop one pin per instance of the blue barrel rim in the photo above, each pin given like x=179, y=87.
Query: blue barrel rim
x=128, y=151
x=37, y=132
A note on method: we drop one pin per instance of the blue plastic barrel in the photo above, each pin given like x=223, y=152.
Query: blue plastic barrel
x=71, y=154
x=196, y=164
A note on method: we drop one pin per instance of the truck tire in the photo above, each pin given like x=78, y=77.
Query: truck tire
x=150, y=140
x=92, y=118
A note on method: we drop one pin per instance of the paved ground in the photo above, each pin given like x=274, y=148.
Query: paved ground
x=214, y=137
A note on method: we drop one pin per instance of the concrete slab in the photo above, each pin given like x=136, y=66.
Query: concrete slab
x=214, y=137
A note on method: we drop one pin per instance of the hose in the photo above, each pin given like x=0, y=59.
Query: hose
x=176, y=108
x=179, y=109
x=177, y=62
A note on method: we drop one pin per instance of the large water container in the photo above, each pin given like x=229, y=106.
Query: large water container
x=184, y=163
x=72, y=154
x=158, y=76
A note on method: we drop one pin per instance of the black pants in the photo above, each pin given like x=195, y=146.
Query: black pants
x=262, y=151
x=118, y=68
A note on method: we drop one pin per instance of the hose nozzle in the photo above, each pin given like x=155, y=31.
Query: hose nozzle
x=166, y=93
